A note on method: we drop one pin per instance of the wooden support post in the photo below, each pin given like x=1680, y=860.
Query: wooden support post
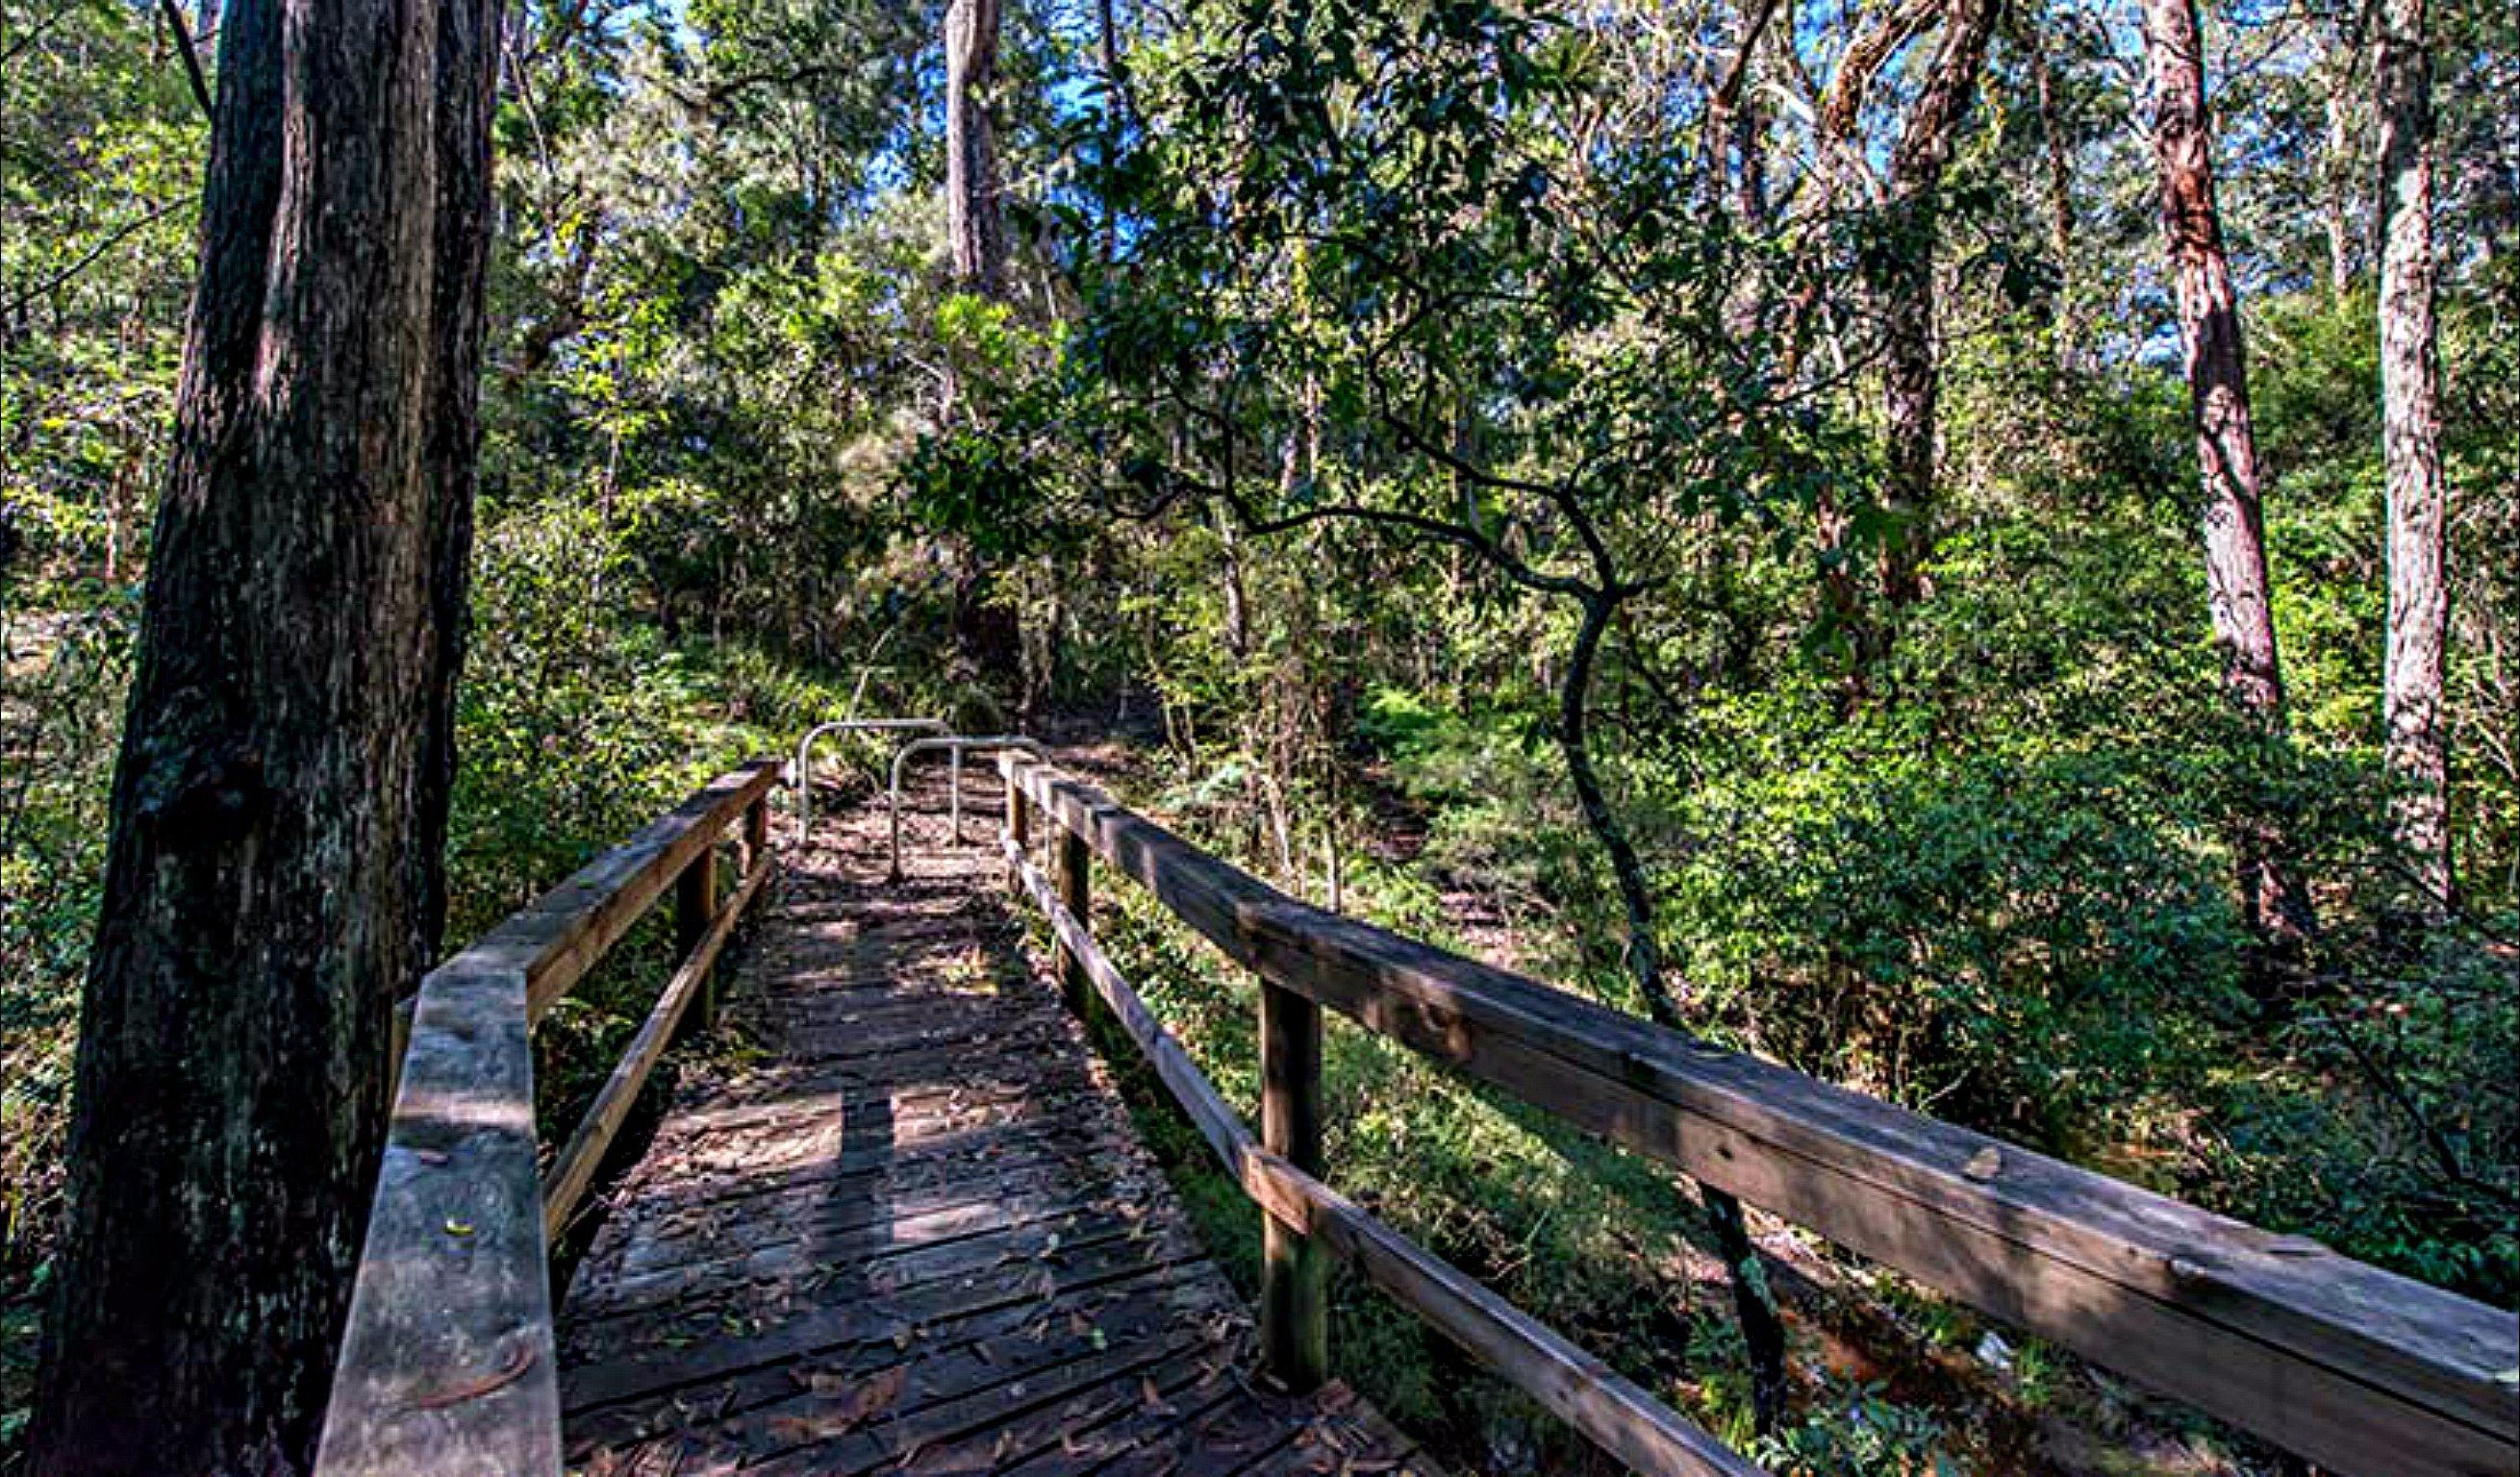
x=1076, y=895
x=1294, y=1306
x=694, y=904
x=756, y=832
x=1019, y=827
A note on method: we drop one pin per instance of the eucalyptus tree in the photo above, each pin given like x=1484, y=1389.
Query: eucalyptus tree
x=1903, y=286
x=974, y=187
x=2241, y=599
x=2418, y=512
x=280, y=805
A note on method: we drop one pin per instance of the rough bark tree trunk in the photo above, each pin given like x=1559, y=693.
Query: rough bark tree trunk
x=2417, y=739
x=2337, y=161
x=2336, y=211
x=2276, y=904
x=273, y=874
x=974, y=202
x=985, y=635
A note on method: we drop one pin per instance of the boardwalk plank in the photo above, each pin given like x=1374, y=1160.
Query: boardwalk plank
x=915, y=1233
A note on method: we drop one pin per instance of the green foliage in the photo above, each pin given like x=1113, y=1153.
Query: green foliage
x=1858, y=1432
x=2017, y=941
x=576, y=729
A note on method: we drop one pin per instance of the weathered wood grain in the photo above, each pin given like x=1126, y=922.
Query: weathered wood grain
x=561, y=934
x=1588, y=1395
x=448, y=1361
x=1294, y=1274
x=2349, y=1366
x=1197, y=1097
x=575, y=1170
x=447, y=1364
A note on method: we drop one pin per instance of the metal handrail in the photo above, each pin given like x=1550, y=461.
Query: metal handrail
x=802, y=775
x=957, y=745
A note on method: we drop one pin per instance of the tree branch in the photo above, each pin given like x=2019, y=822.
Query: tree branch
x=184, y=48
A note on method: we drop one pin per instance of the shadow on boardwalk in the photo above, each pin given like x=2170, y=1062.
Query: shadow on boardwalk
x=915, y=1233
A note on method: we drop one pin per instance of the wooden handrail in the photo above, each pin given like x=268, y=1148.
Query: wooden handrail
x=1578, y=1388
x=448, y=1365
x=2354, y=1367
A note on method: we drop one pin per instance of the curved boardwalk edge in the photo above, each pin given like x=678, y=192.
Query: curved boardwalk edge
x=915, y=1233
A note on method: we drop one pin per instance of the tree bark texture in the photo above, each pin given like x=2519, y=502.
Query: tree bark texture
x=2418, y=744
x=2237, y=588
x=974, y=207
x=2336, y=166
x=273, y=879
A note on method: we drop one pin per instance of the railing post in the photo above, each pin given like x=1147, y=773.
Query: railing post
x=1076, y=894
x=695, y=903
x=1018, y=823
x=756, y=832
x=1294, y=1309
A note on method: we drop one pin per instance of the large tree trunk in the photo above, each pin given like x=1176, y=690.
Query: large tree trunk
x=273, y=879
x=2208, y=325
x=2417, y=743
x=973, y=207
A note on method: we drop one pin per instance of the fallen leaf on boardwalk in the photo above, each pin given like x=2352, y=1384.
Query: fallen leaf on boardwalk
x=860, y=1401
x=520, y=1358
x=1153, y=1399
x=1984, y=1164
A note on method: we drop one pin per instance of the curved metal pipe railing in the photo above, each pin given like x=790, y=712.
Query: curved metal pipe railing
x=802, y=775
x=956, y=744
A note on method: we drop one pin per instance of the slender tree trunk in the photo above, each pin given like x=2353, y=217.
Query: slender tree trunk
x=1736, y=147
x=1763, y=1330
x=2418, y=741
x=2336, y=210
x=2065, y=324
x=2336, y=160
x=1910, y=368
x=984, y=635
x=273, y=875
x=1115, y=81
x=974, y=201
x=2276, y=903
x=1902, y=299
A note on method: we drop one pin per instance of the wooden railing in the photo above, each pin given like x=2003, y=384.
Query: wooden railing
x=2363, y=1372
x=448, y=1365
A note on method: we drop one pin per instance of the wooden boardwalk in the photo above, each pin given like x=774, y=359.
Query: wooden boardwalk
x=917, y=1233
